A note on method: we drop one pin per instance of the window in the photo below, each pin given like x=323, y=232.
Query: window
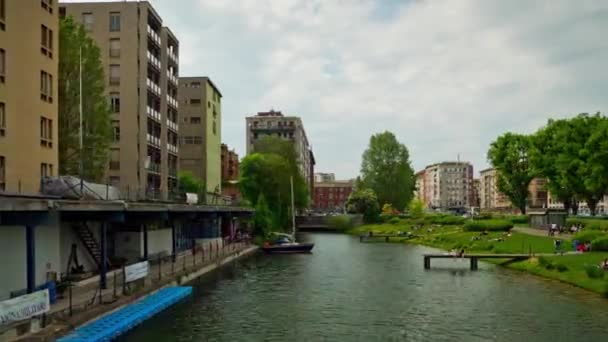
x=46, y=132
x=195, y=120
x=115, y=102
x=195, y=84
x=195, y=102
x=47, y=5
x=2, y=14
x=214, y=128
x=114, y=47
x=46, y=170
x=114, y=180
x=198, y=140
x=116, y=131
x=87, y=20
x=2, y=170
x=2, y=119
x=46, y=87
x=2, y=65
x=190, y=140
x=114, y=21
x=46, y=41
x=114, y=74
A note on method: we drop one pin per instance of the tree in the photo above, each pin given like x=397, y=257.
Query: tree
x=96, y=124
x=189, y=183
x=262, y=221
x=509, y=156
x=416, y=208
x=364, y=202
x=386, y=170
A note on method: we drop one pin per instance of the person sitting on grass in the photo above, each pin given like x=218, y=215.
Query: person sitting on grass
x=605, y=264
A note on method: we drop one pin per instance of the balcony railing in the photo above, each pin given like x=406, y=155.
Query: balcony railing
x=153, y=60
x=173, y=172
x=171, y=101
x=172, y=56
x=172, y=125
x=153, y=113
x=153, y=167
x=153, y=35
x=153, y=86
x=155, y=141
x=172, y=77
x=172, y=148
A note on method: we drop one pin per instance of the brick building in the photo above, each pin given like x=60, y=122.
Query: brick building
x=332, y=196
x=230, y=174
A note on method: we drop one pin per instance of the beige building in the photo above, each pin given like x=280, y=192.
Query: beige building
x=448, y=185
x=324, y=177
x=201, y=131
x=28, y=93
x=286, y=127
x=140, y=57
x=419, y=192
x=489, y=196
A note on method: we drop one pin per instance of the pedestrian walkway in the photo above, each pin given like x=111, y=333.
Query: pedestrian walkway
x=540, y=232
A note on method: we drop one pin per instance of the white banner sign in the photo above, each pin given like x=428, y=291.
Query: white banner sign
x=136, y=271
x=24, y=307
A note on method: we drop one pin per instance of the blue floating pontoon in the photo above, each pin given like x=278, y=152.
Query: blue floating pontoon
x=117, y=323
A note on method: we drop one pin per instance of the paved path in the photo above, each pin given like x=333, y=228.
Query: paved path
x=540, y=232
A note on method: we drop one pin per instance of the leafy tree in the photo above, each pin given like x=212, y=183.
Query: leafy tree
x=364, y=202
x=97, y=132
x=509, y=155
x=386, y=169
x=416, y=208
x=190, y=183
x=262, y=221
x=593, y=156
x=387, y=209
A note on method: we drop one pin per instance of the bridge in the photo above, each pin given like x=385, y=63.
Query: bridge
x=474, y=258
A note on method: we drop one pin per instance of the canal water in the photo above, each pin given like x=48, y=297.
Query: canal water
x=349, y=291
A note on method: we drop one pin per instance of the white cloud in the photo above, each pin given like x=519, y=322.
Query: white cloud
x=445, y=76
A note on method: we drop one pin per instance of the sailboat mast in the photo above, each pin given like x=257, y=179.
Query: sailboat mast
x=81, y=164
x=293, y=211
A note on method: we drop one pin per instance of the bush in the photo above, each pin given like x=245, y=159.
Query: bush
x=594, y=272
x=342, y=222
x=364, y=202
x=518, y=219
x=490, y=225
x=561, y=267
x=600, y=244
x=544, y=261
x=589, y=236
x=484, y=216
x=591, y=224
x=447, y=220
x=394, y=220
x=416, y=208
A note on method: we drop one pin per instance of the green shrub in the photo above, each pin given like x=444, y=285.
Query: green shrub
x=490, y=225
x=484, y=216
x=550, y=266
x=394, y=220
x=561, y=267
x=588, y=223
x=588, y=236
x=544, y=261
x=447, y=220
x=600, y=244
x=341, y=223
x=594, y=272
x=518, y=219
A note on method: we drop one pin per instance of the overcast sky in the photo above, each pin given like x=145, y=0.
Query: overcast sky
x=446, y=77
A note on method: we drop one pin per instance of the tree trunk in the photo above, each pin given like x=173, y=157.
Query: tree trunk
x=592, y=204
x=567, y=205
x=574, y=205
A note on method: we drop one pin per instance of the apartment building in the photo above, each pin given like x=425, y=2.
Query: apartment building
x=230, y=174
x=324, y=177
x=489, y=196
x=140, y=58
x=28, y=94
x=332, y=195
x=475, y=199
x=419, y=192
x=274, y=123
x=448, y=185
x=201, y=131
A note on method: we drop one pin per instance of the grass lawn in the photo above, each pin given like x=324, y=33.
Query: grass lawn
x=453, y=237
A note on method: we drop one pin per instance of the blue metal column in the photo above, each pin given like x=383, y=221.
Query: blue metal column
x=145, y=229
x=104, y=256
x=30, y=247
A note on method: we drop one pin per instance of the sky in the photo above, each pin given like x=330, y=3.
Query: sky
x=446, y=77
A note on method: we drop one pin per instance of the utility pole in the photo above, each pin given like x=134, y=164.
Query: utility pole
x=81, y=165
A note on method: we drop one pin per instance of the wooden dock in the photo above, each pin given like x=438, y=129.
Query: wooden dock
x=474, y=258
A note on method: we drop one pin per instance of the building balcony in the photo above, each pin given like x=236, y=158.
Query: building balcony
x=172, y=56
x=173, y=172
x=172, y=78
x=153, y=113
x=172, y=148
x=172, y=125
x=155, y=88
x=153, y=167
x=153, y=60
x=172, y=101
x=153, y=35
x=152, y=140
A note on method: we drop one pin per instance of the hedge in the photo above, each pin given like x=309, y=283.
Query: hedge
x=594, y=272
x=518, y=219
x=588, y=236
x=591, y=224
x=447, y=220
x=600, y=244
x=493, y=225
x=341, y=222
